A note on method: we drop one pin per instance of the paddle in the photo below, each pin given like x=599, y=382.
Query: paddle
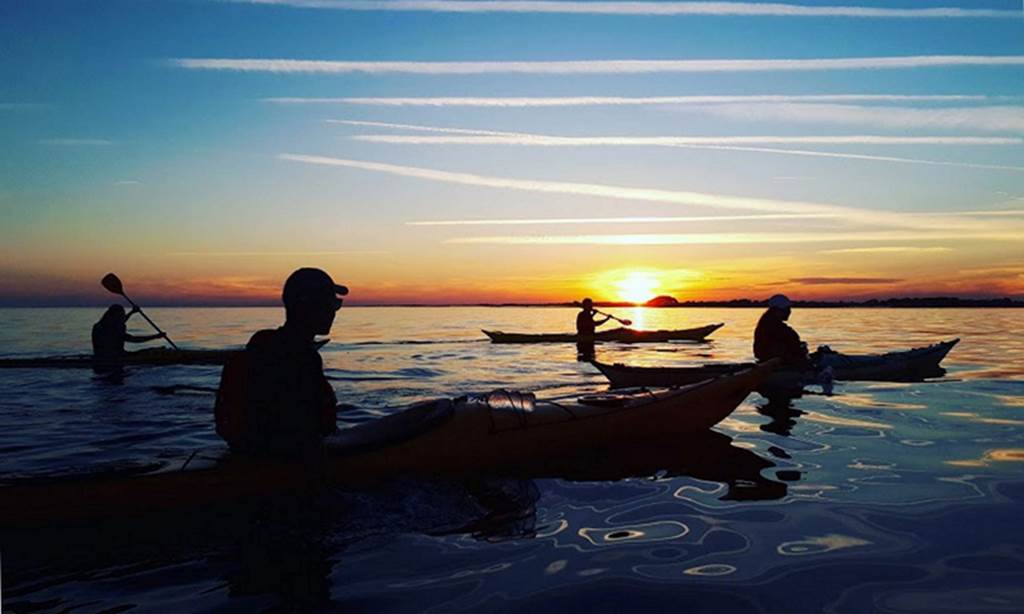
x=113, y=284
x=619, y=320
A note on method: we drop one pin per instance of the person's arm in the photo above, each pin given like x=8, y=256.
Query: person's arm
x=133, y=311
x=143, y=338
x=605, y=320
x=795, y=349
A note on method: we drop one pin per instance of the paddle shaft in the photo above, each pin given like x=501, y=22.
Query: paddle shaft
x=619, y=320
x=151, y=322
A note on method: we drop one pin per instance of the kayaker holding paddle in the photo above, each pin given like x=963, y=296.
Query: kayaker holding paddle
x=773, y=338
x=274, y=399
x=586, y=326
x=111, y=332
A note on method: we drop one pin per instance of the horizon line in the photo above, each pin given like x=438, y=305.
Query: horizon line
x=1018, y=300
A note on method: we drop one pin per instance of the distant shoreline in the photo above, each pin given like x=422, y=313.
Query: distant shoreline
x=890, y=303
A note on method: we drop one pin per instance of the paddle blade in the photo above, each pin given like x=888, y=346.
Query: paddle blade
x=626, y=322
x=112, y=283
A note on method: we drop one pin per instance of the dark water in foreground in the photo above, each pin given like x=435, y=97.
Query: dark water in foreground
x=881, y=498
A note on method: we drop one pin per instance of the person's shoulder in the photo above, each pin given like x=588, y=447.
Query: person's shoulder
x=263, y=339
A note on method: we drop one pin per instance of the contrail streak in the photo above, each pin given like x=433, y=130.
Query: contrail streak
x=664, y=9
x=594, y=67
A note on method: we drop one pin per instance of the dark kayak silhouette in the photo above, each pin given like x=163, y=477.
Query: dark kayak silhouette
x=900, y=366
x=622, y=335
x=450, y=439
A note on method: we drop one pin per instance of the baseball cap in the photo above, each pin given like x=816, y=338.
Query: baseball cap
x=311, y=284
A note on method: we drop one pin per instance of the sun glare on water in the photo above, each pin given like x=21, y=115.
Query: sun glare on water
x=638, y=287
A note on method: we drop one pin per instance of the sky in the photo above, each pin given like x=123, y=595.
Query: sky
x=450, y=151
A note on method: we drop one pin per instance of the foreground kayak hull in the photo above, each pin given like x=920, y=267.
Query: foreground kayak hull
x=155, y=357
x=621, y=335
x=902, y=366
x=465, y=438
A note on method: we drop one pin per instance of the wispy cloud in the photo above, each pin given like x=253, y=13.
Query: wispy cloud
x=740, y=9
x=541, y=140
x=707, y=218
x=270, y=254
x=731, y=238
x=621, y=220
x=127, y=182
x=421, y=128
x=987, y=213
x=991, y=118
x=889, y=249
x=866, y=157
x=75, y=142
x=718, y=201
x=510, y=136
x=844, y=281
x=596, y=67
x=582, y=101
x=492, y=137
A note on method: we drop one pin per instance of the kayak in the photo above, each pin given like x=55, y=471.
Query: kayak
x=154, y=357
x=900, y=366
x=493, y=434
x=906, y=365
x=623, y=335
x=628, y=376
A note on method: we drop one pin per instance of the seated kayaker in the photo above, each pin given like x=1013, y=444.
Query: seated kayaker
x=585, y=322
x=773, y=338
x=111, y=332
x=274, y=399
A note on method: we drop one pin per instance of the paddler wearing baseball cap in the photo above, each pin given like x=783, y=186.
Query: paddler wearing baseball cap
x=773, y=338
x=273, y=399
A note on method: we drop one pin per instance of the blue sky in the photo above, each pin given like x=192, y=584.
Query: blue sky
x=130, y=147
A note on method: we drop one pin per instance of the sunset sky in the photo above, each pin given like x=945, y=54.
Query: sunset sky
x=435, y=151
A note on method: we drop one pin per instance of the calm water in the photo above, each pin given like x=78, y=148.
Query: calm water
x=881, y=498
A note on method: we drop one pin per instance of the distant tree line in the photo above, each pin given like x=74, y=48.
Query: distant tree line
x=910, y=302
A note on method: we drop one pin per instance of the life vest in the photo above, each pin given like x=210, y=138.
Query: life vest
x=229, y=409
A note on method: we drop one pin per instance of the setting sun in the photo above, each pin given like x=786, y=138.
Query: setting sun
x=637, y=287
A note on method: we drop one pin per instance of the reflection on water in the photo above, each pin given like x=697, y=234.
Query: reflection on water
x=818, y=545
x=884, y=497
x=781, y=412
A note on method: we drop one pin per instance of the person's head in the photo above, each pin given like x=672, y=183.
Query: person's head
x=587, y=304
x=311, y=299
x=113, y=315
x=781, y=305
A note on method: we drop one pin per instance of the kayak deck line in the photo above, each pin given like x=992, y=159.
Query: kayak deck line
x=622, y=335
x=450, y=439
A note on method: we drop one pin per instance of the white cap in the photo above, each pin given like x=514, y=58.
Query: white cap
x=779, y=301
